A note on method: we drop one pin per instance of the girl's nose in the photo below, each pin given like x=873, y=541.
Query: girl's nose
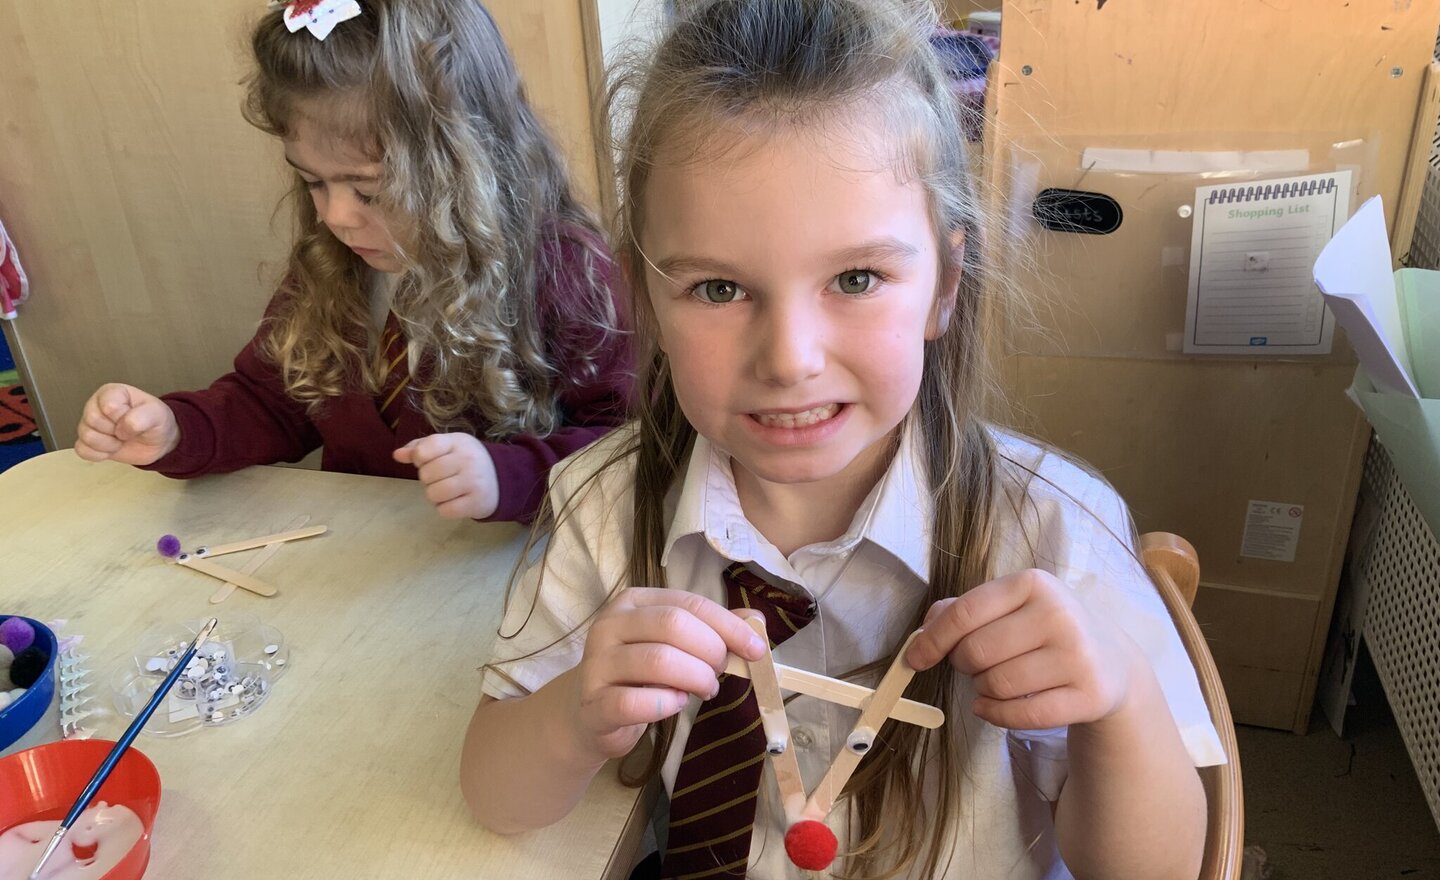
x=791, y=344
x=339, y=210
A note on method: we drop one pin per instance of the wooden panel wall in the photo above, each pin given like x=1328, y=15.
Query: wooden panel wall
x=552, y=42
x=1190, y=440
x=145, y=207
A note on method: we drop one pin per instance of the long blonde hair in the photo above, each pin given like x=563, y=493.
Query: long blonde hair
x=797, y=62
x=428, y=88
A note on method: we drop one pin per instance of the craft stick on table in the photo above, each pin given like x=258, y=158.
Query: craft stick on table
x=872, y=716
x=777, y=726
x=229, y=575
x=844, y=693
x=252, y=543
x=253, y=563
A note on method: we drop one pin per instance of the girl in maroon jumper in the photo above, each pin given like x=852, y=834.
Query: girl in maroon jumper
x=448, y=312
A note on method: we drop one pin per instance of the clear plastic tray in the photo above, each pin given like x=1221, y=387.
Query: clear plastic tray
x=230, y=678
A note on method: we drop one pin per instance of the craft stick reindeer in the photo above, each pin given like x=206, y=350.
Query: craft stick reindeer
x=809, y=842
x=169, y=547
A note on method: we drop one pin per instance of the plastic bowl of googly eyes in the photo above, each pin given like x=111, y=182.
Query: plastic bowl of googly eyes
x=229, y=678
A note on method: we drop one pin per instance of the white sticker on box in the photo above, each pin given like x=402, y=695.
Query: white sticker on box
x=1272, y=530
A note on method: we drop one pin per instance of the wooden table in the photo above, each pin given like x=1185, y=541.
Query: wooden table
x=350, y=768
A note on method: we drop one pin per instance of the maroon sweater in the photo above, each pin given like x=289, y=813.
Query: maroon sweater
x=246, y=417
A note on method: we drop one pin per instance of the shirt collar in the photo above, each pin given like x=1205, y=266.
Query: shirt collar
x=895, y=516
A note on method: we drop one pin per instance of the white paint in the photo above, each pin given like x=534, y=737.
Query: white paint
x=103, y=834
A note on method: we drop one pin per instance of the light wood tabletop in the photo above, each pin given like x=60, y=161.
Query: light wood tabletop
x=349, y=769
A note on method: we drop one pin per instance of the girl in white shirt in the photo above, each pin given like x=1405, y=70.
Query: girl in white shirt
x=802, y=239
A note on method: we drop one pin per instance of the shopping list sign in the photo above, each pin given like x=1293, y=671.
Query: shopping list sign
x=1253, y=246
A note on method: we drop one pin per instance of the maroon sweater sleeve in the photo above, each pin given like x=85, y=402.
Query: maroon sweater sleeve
x=244, y=418
x=594, y=397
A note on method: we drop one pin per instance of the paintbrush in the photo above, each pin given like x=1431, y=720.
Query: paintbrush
x=107, y=765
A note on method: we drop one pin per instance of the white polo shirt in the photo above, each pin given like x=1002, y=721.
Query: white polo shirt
x=868, y=585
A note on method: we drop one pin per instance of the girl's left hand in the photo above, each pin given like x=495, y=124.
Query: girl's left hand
x=1039, y=658
x=458, y=473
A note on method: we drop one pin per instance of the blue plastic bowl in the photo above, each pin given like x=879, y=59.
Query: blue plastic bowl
x=17, y=718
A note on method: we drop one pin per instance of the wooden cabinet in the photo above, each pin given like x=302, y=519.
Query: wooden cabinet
x=1191, y=440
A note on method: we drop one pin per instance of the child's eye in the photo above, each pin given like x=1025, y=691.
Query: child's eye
x=855, y=281
x=717, y=291
x=365, y=198
x=312, y=185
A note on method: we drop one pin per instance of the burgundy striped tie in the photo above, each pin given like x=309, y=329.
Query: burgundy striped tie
x=712, y=810
x=395, y=353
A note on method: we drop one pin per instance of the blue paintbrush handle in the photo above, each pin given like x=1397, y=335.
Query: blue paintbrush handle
x=129, y=736
x=134, y=729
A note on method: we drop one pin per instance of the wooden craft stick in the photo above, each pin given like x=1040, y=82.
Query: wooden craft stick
x=873, y=714
x=251, y=544
x=253, y=563
x=229, y=575
x=842, y=692
x=777, y=726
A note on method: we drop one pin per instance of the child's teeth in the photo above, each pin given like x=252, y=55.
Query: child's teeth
x=800, y=420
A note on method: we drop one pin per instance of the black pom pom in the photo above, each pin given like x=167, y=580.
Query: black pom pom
x=29, y=665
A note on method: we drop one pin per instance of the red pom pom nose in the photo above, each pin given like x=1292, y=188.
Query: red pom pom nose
x=811, y=845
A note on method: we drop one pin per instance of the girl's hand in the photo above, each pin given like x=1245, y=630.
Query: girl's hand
x=122, y=423
x=646, y=653
x=458, y=473
x=1039, y=658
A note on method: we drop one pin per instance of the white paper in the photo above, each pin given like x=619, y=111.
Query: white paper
x=1123, y=161
x=1252, y=250
x=1354, y=274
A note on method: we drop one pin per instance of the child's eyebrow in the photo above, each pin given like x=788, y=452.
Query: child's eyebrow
x=684, y=265
x=880, y=250
x=339, y=178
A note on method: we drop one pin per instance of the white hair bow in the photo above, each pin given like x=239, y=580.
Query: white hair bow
x=318, y=16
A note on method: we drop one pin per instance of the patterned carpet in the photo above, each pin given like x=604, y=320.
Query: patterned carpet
x=19, y=438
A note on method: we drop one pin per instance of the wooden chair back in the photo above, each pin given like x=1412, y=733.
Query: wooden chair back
x=1175, y=567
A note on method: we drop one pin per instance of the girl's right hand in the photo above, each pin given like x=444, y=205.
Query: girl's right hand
x=647, y=652
x=122, y=423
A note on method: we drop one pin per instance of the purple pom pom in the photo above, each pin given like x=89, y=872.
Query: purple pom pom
x=169, y=546
x=16, y=634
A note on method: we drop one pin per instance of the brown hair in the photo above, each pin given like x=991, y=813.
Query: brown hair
x=793, y=63
x=429, y=89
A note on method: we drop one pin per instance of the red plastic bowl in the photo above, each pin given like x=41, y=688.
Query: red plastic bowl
x=43, y=782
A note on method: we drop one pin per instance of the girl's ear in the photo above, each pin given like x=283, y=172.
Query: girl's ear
x=949, y=288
